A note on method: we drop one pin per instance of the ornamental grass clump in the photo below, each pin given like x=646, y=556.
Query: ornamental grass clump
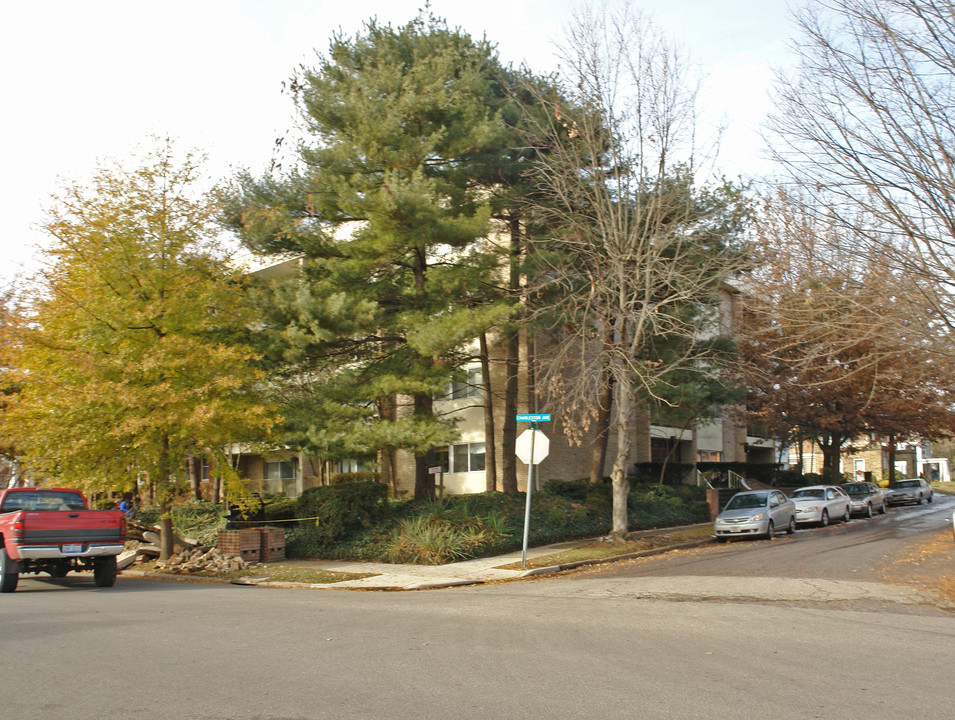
x=443, y=532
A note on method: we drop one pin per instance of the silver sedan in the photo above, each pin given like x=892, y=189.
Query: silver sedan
x=755, y=513
x=821, y=504
x=909, y=490
x=865, y=498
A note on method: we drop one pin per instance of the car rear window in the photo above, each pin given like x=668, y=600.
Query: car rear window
x=814, y=493
x=42, y=500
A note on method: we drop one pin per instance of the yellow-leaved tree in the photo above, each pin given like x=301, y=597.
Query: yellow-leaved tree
x=133, y=352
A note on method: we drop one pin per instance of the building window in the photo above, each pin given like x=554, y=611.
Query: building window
x=709, y=456
x=469, y=387
x=285, y=470
x=354, y=466
x=204, y=469
x=466, y=457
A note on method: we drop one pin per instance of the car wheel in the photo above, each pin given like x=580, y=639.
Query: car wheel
x=824, y=520
x=868, y=510
x=847, y=516
x=791, y=528
x=884, y=509
x=8, y=577
x=920, y=500
x=104, y=571
x=770, y=530
x=931, y=496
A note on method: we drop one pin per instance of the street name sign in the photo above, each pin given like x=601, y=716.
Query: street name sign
x=534, y=417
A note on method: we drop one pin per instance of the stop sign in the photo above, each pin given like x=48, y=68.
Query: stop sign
x=522, y=447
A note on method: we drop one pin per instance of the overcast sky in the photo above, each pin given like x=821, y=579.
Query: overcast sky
x=92, y=79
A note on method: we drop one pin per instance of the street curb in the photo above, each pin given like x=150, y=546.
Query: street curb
x=615, y=558
x=172, y=576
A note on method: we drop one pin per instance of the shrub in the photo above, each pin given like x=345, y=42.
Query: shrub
x=334, y=511
x=582, y=491
x=355, y=477
x=653, y=506
x=571, y=489
x=279, y=507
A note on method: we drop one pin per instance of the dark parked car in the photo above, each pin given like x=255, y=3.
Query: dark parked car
x=865, y=498
x=910, y=490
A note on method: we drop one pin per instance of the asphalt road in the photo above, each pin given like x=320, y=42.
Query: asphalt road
x=862, y=549
x=541, y=649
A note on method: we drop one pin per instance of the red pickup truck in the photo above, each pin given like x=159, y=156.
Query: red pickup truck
x=53, y=530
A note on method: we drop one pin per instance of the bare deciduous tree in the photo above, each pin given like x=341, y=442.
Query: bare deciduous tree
x=866, y=126
x=636, y=250
x=829, y=349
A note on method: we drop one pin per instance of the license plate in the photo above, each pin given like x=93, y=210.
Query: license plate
x=72, y=548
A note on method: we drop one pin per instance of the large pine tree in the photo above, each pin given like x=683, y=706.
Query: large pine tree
x=388, y=212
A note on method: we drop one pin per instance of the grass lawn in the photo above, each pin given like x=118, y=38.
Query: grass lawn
x=600, y=550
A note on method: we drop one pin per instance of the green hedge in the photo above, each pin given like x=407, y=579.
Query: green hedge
x=490, y=523
x=335, y=511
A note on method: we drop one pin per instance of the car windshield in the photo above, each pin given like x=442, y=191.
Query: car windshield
x=809, y=493
x=34, y=500
x=907, y=483
x=856, y=489
x=752, y=500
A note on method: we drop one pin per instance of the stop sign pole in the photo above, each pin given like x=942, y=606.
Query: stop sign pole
x=531, y=447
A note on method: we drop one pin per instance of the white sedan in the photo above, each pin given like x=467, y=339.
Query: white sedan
x=821, y=504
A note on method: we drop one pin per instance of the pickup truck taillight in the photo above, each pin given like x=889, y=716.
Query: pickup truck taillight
x=122, y=526
x=18, y=528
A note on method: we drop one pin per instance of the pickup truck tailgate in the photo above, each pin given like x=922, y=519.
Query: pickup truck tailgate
x=74, y=533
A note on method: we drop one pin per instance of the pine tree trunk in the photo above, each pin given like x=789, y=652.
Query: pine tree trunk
x=387, y=411
x=423, y=480
x=509, y=430
x=511, y=367
x=490, y=448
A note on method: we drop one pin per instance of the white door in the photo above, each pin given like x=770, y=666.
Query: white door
x=858, y=468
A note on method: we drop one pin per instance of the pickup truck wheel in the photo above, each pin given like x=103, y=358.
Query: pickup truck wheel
x=104, y=571
x=8, y=579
